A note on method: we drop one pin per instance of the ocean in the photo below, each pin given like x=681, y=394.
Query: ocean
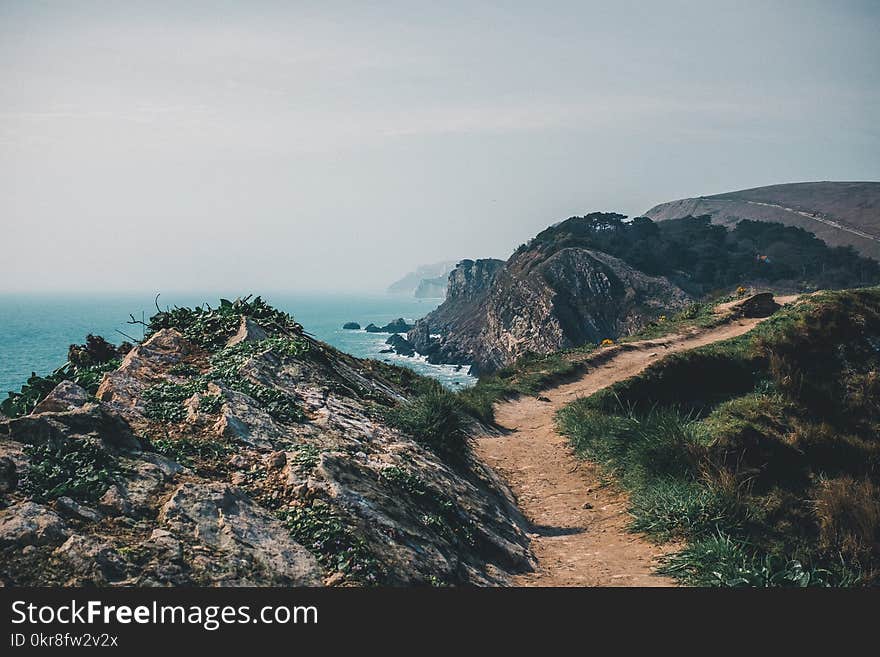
x=36, y=330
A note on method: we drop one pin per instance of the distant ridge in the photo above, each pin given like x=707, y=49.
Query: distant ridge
x=839, y=213
x=425, y=281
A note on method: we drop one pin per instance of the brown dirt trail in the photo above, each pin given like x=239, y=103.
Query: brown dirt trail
x=578, y=525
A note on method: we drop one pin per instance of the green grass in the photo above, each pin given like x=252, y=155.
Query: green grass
x=720, y=561
x=760, y=452
x=436, y=420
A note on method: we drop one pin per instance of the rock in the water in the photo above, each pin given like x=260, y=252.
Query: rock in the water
x=258, y=547
x=401, y=345
x=398, y=325
x=29, y=523
x=248, y=331
x=351, y=326
x=66, y=396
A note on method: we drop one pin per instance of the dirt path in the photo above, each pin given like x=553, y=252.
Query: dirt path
x=579, y=528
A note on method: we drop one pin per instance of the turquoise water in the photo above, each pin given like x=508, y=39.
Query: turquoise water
x=36, y=330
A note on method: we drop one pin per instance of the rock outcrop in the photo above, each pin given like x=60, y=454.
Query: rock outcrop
x=401, y=345
x=539, y=301
x=265, y=462
x=398, y=325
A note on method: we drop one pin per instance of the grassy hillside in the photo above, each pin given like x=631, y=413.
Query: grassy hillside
x=701, y=257
x=761, y=453
x=839, y=213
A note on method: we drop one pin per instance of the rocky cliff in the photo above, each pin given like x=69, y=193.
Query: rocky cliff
x=540, y=301
x=230, y=448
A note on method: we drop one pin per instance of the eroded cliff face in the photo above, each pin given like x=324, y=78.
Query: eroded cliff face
x=462, y=312
x=539, y=302
x=267, y=461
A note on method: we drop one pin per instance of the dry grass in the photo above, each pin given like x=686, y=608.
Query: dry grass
x=848, y=511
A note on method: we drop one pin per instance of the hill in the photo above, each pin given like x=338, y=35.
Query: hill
x=758, y=454
x=839, y=213
x=427, y=281
x=230, y=448
x=597, y=277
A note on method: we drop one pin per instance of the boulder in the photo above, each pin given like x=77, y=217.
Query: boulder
x=66, y=396
x=401, y=345
x=351, y=326
x=399, y=325
x=248, y=331
x=96, y=560
x=758, y=305
x=8, y=475
x=223, y=518
x=74, y=509
x=29, y=523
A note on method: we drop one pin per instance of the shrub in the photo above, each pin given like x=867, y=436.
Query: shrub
x=190, y=451
x=337, y=546
x=435, y=419
x=676, y=508
x=78, y=468
x=848, y=511
x=165, y=401
x=212, y=327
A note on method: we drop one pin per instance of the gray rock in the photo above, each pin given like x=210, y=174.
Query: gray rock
x=138, y=491
x=540, y=303
x=29, y=523
x=248, y=331
x=65, y=397
x=73, y=509
x=92, y=558
x=243, y=420
x=8, y=475
x=221, y=517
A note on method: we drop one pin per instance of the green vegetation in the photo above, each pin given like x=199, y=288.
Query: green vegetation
x=212, y=327
x=38, y=387
x=761, y=452
x=81, y=469
x=435, y=419
x=439, y=513
x=700, y=257
x=226, y=367
x=337, y=546
x=165, y=401
x=191, y=451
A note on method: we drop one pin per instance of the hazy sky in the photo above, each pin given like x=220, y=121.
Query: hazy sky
x=261, y=146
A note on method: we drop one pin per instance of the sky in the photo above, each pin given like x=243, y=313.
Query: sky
x=317, y=146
